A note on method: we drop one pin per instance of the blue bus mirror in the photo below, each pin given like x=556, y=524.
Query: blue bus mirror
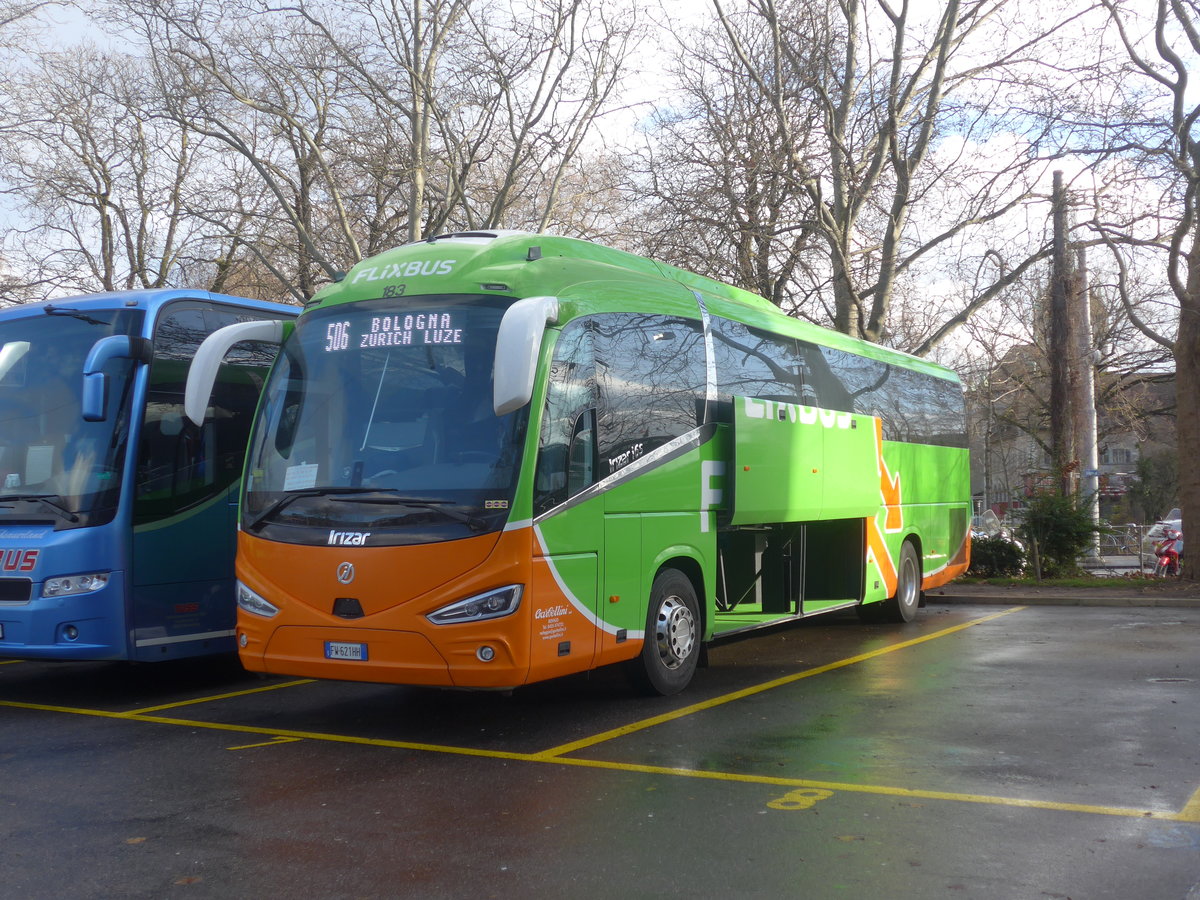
x=95, y=396
x=95, y=382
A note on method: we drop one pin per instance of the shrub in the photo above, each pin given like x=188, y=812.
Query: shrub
x=995, y=557
x=1058, y=530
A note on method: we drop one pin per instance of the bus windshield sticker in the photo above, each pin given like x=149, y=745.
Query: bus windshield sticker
x=300, y=477
x=39, y=463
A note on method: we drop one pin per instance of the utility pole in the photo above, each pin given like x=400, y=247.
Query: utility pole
x=1084, y=399
x=1060, y=349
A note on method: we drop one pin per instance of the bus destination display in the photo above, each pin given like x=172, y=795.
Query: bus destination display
x=407, y=330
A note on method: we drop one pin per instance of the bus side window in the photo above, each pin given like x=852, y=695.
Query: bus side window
x=652, y=375
x=754, y=363
x=178, y=464
x=581, y=460
x=829, y=391
x=914, y=406
x=570, y=391
x=864, y=385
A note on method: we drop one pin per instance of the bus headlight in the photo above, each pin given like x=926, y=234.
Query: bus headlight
x=492, y=605
x=254, y=603
x=74, y=584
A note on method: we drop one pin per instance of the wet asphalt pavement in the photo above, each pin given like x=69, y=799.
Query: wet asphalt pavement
x=990, y=751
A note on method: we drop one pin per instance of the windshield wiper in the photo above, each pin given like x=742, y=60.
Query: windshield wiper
x=472, y=522
x=289, y=496
x=49, y=500
x=358, y=495
x=73, y=313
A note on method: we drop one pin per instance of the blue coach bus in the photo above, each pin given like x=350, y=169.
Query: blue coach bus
x=117, y=514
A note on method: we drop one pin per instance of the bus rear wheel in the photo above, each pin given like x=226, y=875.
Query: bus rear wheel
x=903, y=606
x=673, y=635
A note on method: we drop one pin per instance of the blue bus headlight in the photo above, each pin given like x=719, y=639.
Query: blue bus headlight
x=74, y=584
x=254, y=603
x=492, y=605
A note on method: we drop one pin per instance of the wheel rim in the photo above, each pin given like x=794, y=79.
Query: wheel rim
x=908, y=582
x=674, y=632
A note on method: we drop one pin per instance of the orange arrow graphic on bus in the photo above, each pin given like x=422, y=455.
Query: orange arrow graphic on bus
x=878, y=549
x=889, y=487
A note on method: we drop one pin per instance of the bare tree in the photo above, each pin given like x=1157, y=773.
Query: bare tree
x=1007, y=370
x=1139, y=107
x=99, y=184
x=496, y=101
x=893, y=173
x=721, y=176
x=372, y=123
x=269, y=92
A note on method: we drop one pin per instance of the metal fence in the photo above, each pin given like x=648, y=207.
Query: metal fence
x=1125, y=548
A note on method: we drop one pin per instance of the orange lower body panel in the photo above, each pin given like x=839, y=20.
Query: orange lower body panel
x=957, y=566
x=551, y=634
x=392, y=641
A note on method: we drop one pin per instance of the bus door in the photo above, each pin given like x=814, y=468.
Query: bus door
x=836, y=545
x=568, y=518
x=186, y=488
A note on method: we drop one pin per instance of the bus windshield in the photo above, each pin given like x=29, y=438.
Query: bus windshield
x=377, y=422
x=54, y=466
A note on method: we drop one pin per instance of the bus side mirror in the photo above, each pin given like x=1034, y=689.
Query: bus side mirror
x=518, y=343
x=95, y=382
x=202, y=374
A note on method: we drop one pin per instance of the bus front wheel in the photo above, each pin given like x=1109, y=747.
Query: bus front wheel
x=673, y=635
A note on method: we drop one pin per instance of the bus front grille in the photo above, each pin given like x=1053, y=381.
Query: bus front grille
x=15, y=590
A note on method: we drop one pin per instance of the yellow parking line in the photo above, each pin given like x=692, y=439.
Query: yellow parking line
x=248, y=691
x=270, y=732
x=281, y=735
x=910, y=793
x=274, y=742
x=1190, y=812
x=10, y=662
x=563, y=749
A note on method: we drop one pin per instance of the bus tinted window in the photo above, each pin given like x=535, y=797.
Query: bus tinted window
x=570, y=392
x=46, y=447
x=753, y=363
x=178, y=465
x=914, y=406
x=651, y=373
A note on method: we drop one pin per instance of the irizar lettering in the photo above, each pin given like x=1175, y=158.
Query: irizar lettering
x=624, y=459
x=412, y=269
x=796, y=414
x=348, y=538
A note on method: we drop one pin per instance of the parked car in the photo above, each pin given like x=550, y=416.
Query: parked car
x=1172, y=520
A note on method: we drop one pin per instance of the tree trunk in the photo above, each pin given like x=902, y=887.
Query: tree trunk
x=1187, y=391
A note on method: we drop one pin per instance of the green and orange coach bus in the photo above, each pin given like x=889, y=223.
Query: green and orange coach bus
x=492, y=458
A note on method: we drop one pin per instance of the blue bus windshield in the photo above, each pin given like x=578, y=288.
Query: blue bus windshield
x=54, y=466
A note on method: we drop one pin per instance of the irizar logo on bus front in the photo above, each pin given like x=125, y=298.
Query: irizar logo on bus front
x=348, y=538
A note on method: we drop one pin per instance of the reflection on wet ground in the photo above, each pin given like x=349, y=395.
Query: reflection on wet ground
x=907, y=759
